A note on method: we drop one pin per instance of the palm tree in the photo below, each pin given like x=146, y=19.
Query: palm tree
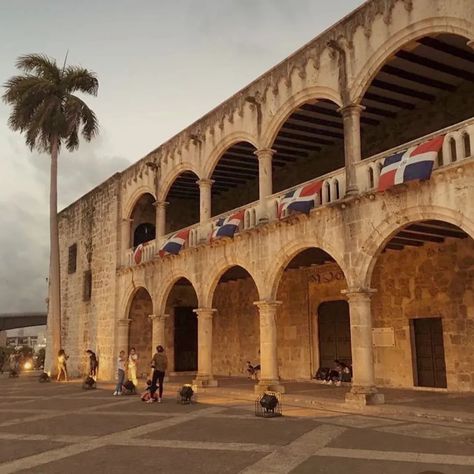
x=46, y=110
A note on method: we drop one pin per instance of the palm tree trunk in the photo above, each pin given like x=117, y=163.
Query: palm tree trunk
x=54, y=307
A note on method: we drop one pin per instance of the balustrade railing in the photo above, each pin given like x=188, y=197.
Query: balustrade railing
x=458, y=145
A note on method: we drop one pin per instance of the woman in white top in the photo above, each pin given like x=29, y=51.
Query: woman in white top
x=132, y=366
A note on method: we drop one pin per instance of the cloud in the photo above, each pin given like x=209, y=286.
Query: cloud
x=24, y=207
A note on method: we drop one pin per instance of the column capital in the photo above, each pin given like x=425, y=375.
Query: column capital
x=158, y=317
x=351, y=109
x=126, y=220
x=160, y=204
x=205, y=183
x=353, y=293
x=267, y=305
x=124, y=322
x=204, y=313
x=264, y=152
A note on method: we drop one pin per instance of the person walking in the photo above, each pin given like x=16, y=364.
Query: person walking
x=120, y=373
x=132, y=366
x=92, y=364
x=62, y=366
x=159, y=365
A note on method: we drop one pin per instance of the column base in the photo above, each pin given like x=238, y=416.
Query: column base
x=352, y=191
x=269, y=386
x=363, y=396
x=204, y=382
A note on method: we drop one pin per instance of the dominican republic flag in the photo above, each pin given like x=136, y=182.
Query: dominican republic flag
x=175, y=243
x=138, y=254
x=229, y=226
x=412, y=164
x=300, y=200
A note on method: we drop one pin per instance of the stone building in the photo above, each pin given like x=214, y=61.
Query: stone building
x=379, y=279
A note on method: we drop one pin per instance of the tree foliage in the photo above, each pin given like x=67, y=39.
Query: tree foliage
x=44, y=104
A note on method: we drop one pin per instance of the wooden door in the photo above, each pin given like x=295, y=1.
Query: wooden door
x=429, y=350
x=185, y=339
x=334, y=333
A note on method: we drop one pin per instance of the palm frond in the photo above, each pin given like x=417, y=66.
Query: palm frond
x=41, y=65
x=77, y=78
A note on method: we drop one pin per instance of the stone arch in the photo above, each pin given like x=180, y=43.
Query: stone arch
x=414, y=31
x=373, y=246
x=288, y=252
x=140, y=328
x=167, y=181
x=167, y=285
x=129, y=294
x=220, y=269
x=229, y=140
x=134, y=198
x=295, y=101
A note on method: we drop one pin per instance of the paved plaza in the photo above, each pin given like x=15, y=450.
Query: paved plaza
x=58, y=428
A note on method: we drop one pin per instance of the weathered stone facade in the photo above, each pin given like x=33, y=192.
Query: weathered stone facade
x=351, y=224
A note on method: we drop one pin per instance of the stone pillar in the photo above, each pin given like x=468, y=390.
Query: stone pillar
x=158, y=330
x=204, y=376
x=269, y=378
x=363, y=390
x=123, y=326
x=205, y=187
x=160, y=219
x=265, y=184
x=125, y=235
x=352, y=152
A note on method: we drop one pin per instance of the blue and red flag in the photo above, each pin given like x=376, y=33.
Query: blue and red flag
x=175, y=243
x=300, y=200
x=138, y=254
x=412, y=164
x=229, y=226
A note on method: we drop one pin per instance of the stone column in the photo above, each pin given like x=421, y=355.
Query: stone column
x=158, y=330
x=160, y=219
x=205, y=187
x=363, y=390
x=204, y=376
x=265, y=184
x=123, y=326
x=158, y=337
x=125, y=235
x=269, y=378
x=352, y=152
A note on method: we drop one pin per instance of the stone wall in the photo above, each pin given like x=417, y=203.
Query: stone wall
x=140, y=331
x=91, y=223
x=236, y=333
x=431, y=281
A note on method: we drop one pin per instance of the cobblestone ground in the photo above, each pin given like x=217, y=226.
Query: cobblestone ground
x=59, y=428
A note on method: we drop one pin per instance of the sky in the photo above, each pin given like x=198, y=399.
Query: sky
x=161, y=65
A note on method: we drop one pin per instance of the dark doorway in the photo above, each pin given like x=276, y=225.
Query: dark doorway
x=429, y=350
x=143, y=233
x=334, y=333
x=185, y=339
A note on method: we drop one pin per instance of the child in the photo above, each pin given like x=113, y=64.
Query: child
x=149, y=395
x=120, y=373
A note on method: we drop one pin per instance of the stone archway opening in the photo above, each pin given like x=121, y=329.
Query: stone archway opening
x=311, y=278
x=143, y=221
x=140, y=330
x=182, y=330
x=183, y=202
x=236, y=330
x=423, y=308
x=235, y=178
x=309, y=144
x=424, y=87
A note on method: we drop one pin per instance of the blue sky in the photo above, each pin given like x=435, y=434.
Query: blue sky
x=161, y=65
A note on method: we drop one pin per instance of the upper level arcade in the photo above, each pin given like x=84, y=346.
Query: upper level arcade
x=388, y=77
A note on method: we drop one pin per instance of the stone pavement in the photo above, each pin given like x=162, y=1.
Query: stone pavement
x=58, y=428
